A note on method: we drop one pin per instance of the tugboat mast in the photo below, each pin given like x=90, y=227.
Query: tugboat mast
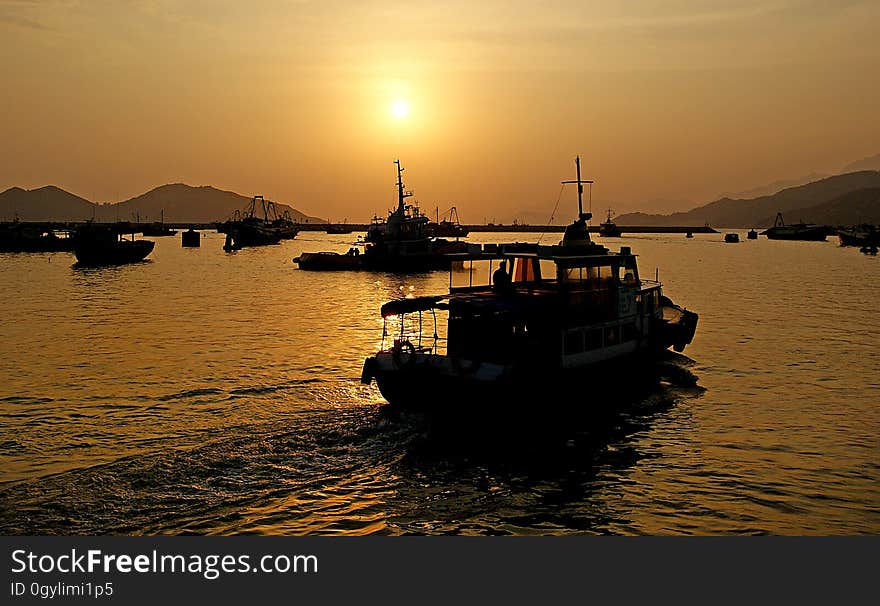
x=401, y=194
x=580, y=183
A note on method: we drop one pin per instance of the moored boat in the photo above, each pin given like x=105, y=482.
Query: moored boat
x=96, y=244
x=329, y=261
x=399, y=243
x=860, y=235
x=450, y=227
x=795, y=231
x=18, y=236
x=731, y=237
x=608, y=228
x=553, y=319
x=247, y=229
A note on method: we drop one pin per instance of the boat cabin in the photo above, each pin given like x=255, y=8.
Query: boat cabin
x=547, y=305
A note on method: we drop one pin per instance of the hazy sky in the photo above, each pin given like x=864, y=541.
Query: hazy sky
x=670, y=102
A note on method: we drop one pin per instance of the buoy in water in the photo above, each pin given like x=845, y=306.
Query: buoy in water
x=191, y=238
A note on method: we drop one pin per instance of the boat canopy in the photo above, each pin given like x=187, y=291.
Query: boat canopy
x=566, y=256
x=397, y=307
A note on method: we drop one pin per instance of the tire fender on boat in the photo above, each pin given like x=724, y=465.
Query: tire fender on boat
x=397, y=354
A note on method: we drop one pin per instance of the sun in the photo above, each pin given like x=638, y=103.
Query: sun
x=400, y=109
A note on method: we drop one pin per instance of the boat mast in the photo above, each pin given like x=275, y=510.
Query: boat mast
x=580, y=183
x=401, y=194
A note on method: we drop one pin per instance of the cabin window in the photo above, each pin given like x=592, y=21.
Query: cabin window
x=629, y=273
x=594, y=339
x=574, y=342
x=612, y=336
x=468, y=273
x=596, y=276
x=548, y=269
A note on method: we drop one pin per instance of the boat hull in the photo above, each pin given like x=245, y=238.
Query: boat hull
x=116, y=253
x=329, y=262
x=435, y=383
x=817, y=234
x=411, y=378
x=854, y=238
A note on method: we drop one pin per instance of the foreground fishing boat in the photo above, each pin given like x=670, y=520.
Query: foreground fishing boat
x=96, y=244
x=553, y=320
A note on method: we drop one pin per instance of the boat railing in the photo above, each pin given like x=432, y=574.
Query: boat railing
x=410, y=325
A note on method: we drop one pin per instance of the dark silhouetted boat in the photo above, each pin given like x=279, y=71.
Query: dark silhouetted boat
x=860, y=235
x=796, y=231
x=99, y=244
x=399, y=243
x=752, y=235
x=329, y=261
x=247, y=229
x=608, y=228
x=550, y=328
x=450, y=227
x=731, y=238
x=16, y=236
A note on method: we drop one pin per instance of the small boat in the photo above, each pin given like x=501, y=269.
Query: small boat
x=329, y=261
x=860, y=235
x=608, y=228
x=97, y=244
x=550, y=325
x=753, y=234
x=450, y=227
x=796, y=231
x=731, y=238
x=690, y=234
x=156, y=230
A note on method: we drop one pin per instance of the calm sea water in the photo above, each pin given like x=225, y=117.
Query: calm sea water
x=205, y=392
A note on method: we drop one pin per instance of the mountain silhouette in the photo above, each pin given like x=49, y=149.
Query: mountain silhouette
x=832, y=200
x=181, y=203
x=869, y=163
x=44, y=204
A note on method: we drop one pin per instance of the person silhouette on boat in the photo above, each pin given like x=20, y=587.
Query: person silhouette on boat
x=501, y=279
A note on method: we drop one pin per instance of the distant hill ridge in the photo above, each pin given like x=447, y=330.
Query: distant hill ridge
x=181, y=203
x=836, y=200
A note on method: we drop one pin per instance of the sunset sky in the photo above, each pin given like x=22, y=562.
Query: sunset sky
x=669, y=102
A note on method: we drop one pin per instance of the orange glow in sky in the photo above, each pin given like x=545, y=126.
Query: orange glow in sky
x=669, y=103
